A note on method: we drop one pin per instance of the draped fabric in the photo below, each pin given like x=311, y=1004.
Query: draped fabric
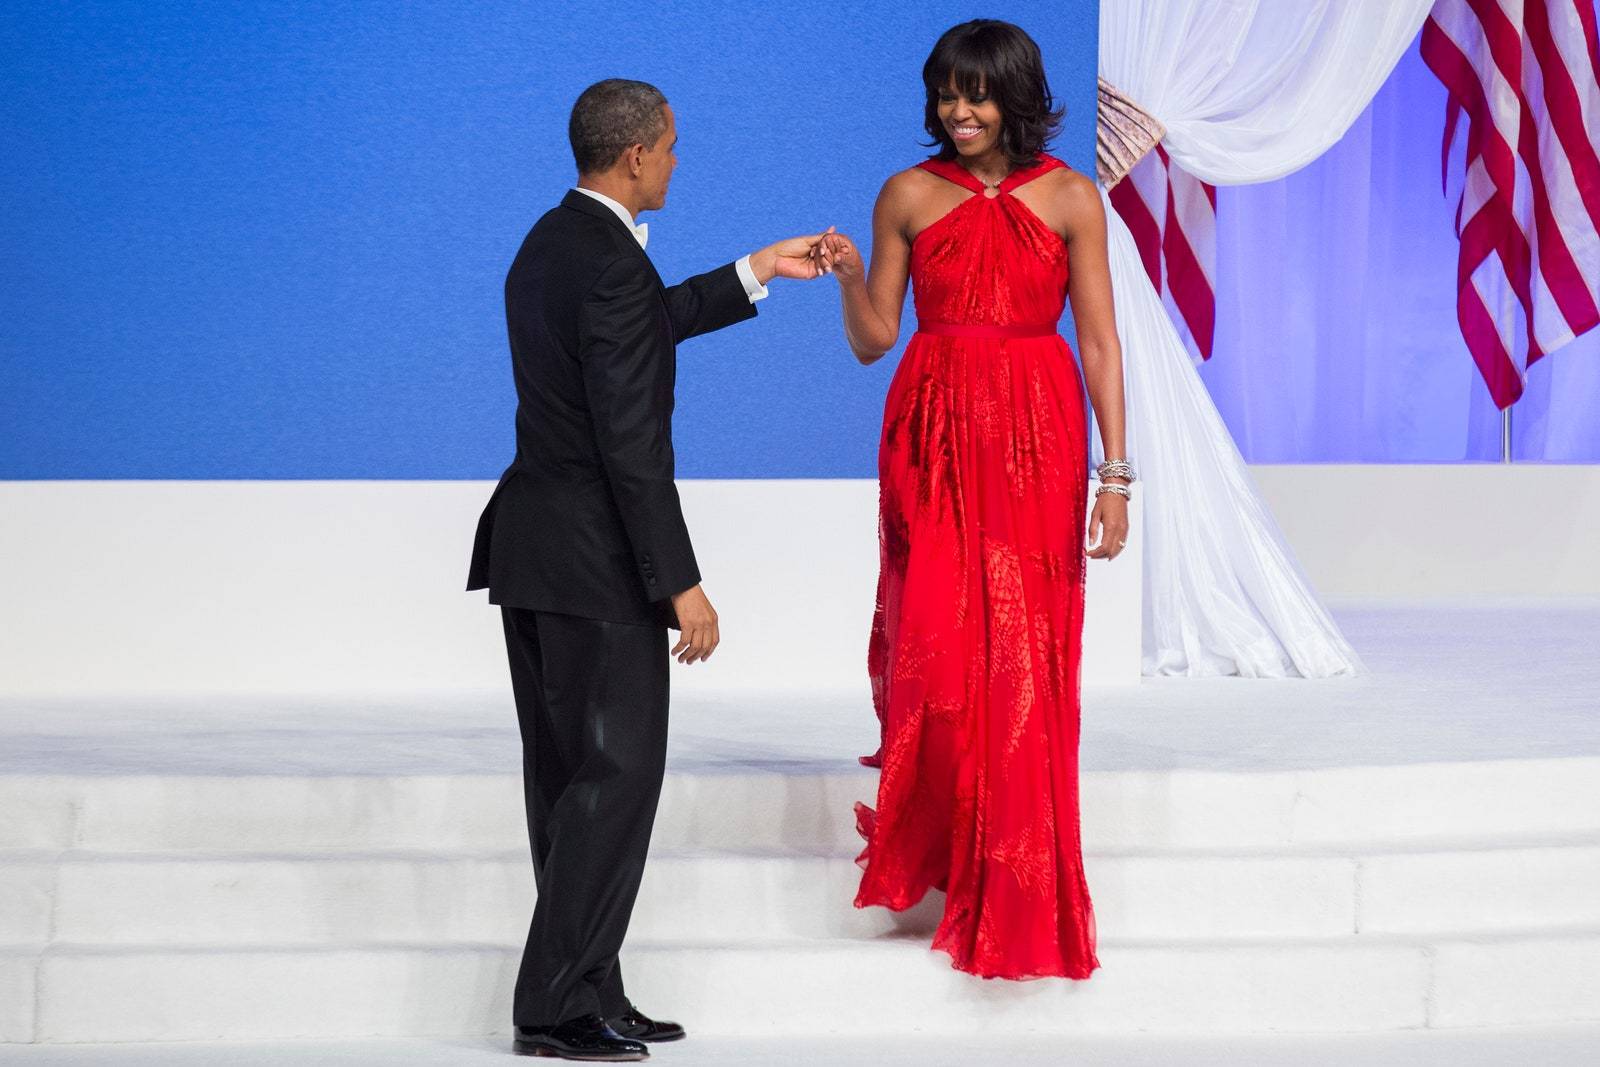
x=1251, y=90
x=1248, y=91
x=1223, y=593
x=1337, y=339
x=1173, y=218
x=1526, y=73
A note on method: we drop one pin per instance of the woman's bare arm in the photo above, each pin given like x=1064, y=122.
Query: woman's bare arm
x=873, y=298
x=1089, y=288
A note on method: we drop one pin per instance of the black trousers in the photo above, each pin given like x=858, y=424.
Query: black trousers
x=592, y=705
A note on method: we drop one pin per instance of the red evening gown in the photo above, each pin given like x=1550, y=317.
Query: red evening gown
x=983, y=472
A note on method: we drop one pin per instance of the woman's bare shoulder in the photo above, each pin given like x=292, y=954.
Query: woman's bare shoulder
x=1072, y=201
x=904, y=193
x=1068, y=184
x=908, y=184
x=1076, y=190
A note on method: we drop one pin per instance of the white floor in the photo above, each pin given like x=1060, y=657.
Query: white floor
x=1545, y=1047
x=1448, y=682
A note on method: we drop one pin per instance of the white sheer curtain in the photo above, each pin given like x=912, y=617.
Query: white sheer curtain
x=1336, y=334
x=1249, y=90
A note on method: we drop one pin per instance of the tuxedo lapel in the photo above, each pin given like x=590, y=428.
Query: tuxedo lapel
x=592, y=207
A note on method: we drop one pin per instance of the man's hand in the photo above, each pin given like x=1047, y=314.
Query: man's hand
x=697, y=620
x=788, y=259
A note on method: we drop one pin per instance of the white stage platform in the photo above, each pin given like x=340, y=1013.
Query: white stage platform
x=1414, y=849
x=1563, y=1046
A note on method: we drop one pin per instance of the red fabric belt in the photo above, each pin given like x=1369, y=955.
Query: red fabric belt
x=963, y=329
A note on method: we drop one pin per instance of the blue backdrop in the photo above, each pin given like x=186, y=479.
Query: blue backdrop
x=267, y=240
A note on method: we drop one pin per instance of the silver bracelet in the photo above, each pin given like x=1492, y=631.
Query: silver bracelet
x=1121, y=490
x=1115, y=468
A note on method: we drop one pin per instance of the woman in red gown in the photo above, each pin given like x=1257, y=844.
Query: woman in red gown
x=983, y=470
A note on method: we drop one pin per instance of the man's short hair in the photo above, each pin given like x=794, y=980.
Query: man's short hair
x=610, y=117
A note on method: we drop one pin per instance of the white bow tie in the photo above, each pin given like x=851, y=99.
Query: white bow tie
x=641, y=230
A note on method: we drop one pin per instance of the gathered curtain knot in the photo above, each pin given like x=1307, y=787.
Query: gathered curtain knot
x=1124, y=134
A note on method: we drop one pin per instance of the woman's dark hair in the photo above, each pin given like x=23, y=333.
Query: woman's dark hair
x=997, y=58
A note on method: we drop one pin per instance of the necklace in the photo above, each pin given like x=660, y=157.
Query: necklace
x=990, y=186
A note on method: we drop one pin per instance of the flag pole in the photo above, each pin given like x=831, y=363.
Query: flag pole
x=1505, y=434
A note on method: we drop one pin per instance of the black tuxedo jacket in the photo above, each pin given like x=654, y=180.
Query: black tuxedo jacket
x=586, y=520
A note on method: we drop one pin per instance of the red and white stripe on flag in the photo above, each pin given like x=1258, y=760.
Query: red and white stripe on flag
x=1526, y=73
x=1173, y=218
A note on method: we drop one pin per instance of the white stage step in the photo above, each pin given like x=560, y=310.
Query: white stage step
x=1419, y=848
x=1248, y=907
x=126, y=993
x=182, y=899
x=785, y=807
x=1546, y=1046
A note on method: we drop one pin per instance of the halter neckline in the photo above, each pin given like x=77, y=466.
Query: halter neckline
x=950, y=170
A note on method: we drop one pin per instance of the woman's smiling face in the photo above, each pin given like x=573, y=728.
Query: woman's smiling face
x=973, y=122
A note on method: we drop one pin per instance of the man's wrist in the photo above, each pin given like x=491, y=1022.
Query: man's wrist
x=764, y=263
x=754, y=273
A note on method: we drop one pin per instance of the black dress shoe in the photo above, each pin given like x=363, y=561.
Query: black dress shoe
x=585, y=1038
x=639, y=1026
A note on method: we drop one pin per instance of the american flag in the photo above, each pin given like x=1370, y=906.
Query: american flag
x=1173, y=218
x=1526, y=74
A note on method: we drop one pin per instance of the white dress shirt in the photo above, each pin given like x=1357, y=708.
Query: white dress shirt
x=641, y=233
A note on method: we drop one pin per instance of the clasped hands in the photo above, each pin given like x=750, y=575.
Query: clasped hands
x=804, y=258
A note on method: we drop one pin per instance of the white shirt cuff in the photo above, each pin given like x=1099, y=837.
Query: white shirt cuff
x=752, y=288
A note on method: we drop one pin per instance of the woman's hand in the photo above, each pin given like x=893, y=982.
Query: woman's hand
x=1108, y=526
x=837, y=254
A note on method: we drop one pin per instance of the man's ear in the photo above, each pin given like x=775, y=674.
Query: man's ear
x=633, y=155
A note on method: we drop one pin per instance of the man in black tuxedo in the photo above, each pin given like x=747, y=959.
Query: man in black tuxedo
x=584, y=547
